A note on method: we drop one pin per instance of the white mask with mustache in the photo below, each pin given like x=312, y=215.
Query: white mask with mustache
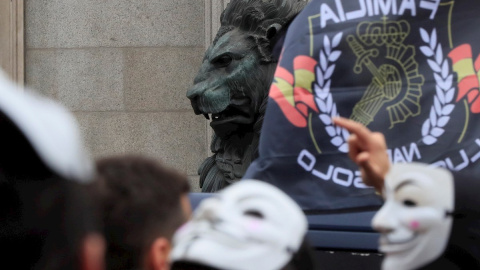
x=413, y=221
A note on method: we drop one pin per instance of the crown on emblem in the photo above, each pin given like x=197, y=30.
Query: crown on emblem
x=383, y=32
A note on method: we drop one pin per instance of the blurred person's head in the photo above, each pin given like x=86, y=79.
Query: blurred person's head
x=430, y=219
x=248, y=225
x=143, y=203
x=46, y=219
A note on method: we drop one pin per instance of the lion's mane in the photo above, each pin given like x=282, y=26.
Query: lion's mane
x=254, y=17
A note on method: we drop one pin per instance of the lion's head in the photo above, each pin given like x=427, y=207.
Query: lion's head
x=238, y=67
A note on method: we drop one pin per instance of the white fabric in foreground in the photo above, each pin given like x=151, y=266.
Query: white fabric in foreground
x=50, y=128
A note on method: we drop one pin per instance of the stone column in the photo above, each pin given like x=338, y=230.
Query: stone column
x=213, y=9
x=12, y=39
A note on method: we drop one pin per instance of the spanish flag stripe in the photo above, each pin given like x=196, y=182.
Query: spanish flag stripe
x=472, y=95
x=304, y=62
x=477, y=64
x=464, y=68
x=283, y=90
x=304, y=79
x=290, y=112
x=460, y=52
x=284, y=74
x=465, y=85
x=303, y=96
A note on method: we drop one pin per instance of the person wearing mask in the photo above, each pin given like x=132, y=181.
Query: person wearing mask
x=430, y=218
x=249, y=225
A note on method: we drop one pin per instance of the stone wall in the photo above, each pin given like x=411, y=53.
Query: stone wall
x=123, y=68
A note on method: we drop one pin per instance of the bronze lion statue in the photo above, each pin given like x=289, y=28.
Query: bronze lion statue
x=231, y=87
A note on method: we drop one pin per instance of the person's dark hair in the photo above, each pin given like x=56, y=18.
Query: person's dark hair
x=43, y=217
x=140, y=200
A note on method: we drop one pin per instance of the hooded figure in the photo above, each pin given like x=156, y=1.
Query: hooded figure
x=430, y=219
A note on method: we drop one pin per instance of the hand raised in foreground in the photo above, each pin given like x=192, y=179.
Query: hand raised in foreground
x=368, y=150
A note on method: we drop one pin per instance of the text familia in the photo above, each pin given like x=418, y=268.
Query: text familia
x=367, y=8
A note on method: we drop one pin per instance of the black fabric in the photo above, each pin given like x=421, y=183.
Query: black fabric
x=411, y=58
x=278, y=41
x=463, y=247
x=304, y=259
x=43, y=217
x=464, y=244
x=45, y=220
x=184, y=265
x=18, y=159
x=349, y=259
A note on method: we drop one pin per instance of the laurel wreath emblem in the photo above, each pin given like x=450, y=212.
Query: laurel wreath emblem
x=442, y=106
x=324, y=71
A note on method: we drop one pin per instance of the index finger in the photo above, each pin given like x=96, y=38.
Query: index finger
x=362, y=132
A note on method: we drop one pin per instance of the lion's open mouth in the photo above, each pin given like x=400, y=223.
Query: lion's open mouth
x=233, y=113
x=239, y=112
